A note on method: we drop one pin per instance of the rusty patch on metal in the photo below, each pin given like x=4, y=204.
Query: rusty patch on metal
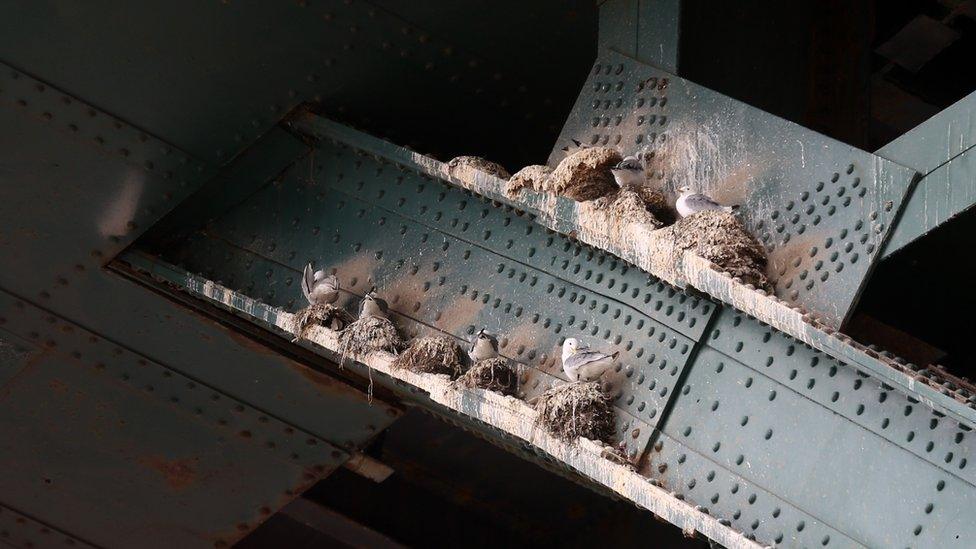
x=178, y=473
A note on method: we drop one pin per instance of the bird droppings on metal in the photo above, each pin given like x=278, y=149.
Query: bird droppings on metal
x=594, y=460
x=561, y=215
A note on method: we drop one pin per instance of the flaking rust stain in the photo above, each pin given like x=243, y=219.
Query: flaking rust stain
x=178, y=473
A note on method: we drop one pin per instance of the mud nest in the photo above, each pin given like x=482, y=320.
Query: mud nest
x=462, y=167
x=367, y=335
x=583, y=175
x=432, y=355
x=722, y=239
x=493, y=374
x=635, y=205
x=530, y=177
x=327, y=315
x=574, y=410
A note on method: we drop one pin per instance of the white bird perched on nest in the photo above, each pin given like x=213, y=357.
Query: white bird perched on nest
x=318, y=288
x=373, y=306
x=485, y=346
x=689, y=202
x=582, y=364
x=629, y=172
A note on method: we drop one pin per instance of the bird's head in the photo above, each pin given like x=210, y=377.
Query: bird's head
x=571, y=346
x=485, y=337
x=684, y=190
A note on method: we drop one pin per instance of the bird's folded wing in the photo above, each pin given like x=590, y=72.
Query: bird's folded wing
x=700, y=201
x=583, y=358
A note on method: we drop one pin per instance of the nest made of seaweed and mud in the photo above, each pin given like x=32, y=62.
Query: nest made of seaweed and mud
x=642, y=205
x=367, y=335
x=461, y=166
x=327, y=315
x=494, y=374
x=722, y=239
x=574, y=410
x=432, y=355
x=584, y=175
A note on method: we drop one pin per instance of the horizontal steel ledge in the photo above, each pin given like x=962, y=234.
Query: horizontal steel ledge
x=561, y=215
x=507, y=414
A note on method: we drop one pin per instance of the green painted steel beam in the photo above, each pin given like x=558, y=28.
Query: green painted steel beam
x=754, y=425
x=942, y=149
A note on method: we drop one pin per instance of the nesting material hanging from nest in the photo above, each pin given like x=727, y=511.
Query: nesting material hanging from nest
x=584, y=175
x=465, y=167
x=493, y=374
x=327, y=315
x=530, y=177
x=432, y=355
x=722, y=239
x=574, y=410
x=369, y=334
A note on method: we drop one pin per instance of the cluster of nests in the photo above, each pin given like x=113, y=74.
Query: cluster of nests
x=568, y=411
x=585, y=176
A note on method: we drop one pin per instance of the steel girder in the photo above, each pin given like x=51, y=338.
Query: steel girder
x=941, y=149
x=181, y=423
x=780, y=440
x=822, y=209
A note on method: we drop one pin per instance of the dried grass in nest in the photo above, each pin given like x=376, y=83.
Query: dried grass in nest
x=327, y=315
x=367, y=335
x=432, y=355
x=584, y=175
x=722, y=239
x=493, y=374
x=530, y=177
x=574, y=410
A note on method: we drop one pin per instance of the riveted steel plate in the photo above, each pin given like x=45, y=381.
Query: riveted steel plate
x=19, y=530
x=449, y=260
x=91, y=183
x=747, y=506
x=200, y=92
x=772, y=435
x=181, y=447
x=845, y=390
x=821, y=208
